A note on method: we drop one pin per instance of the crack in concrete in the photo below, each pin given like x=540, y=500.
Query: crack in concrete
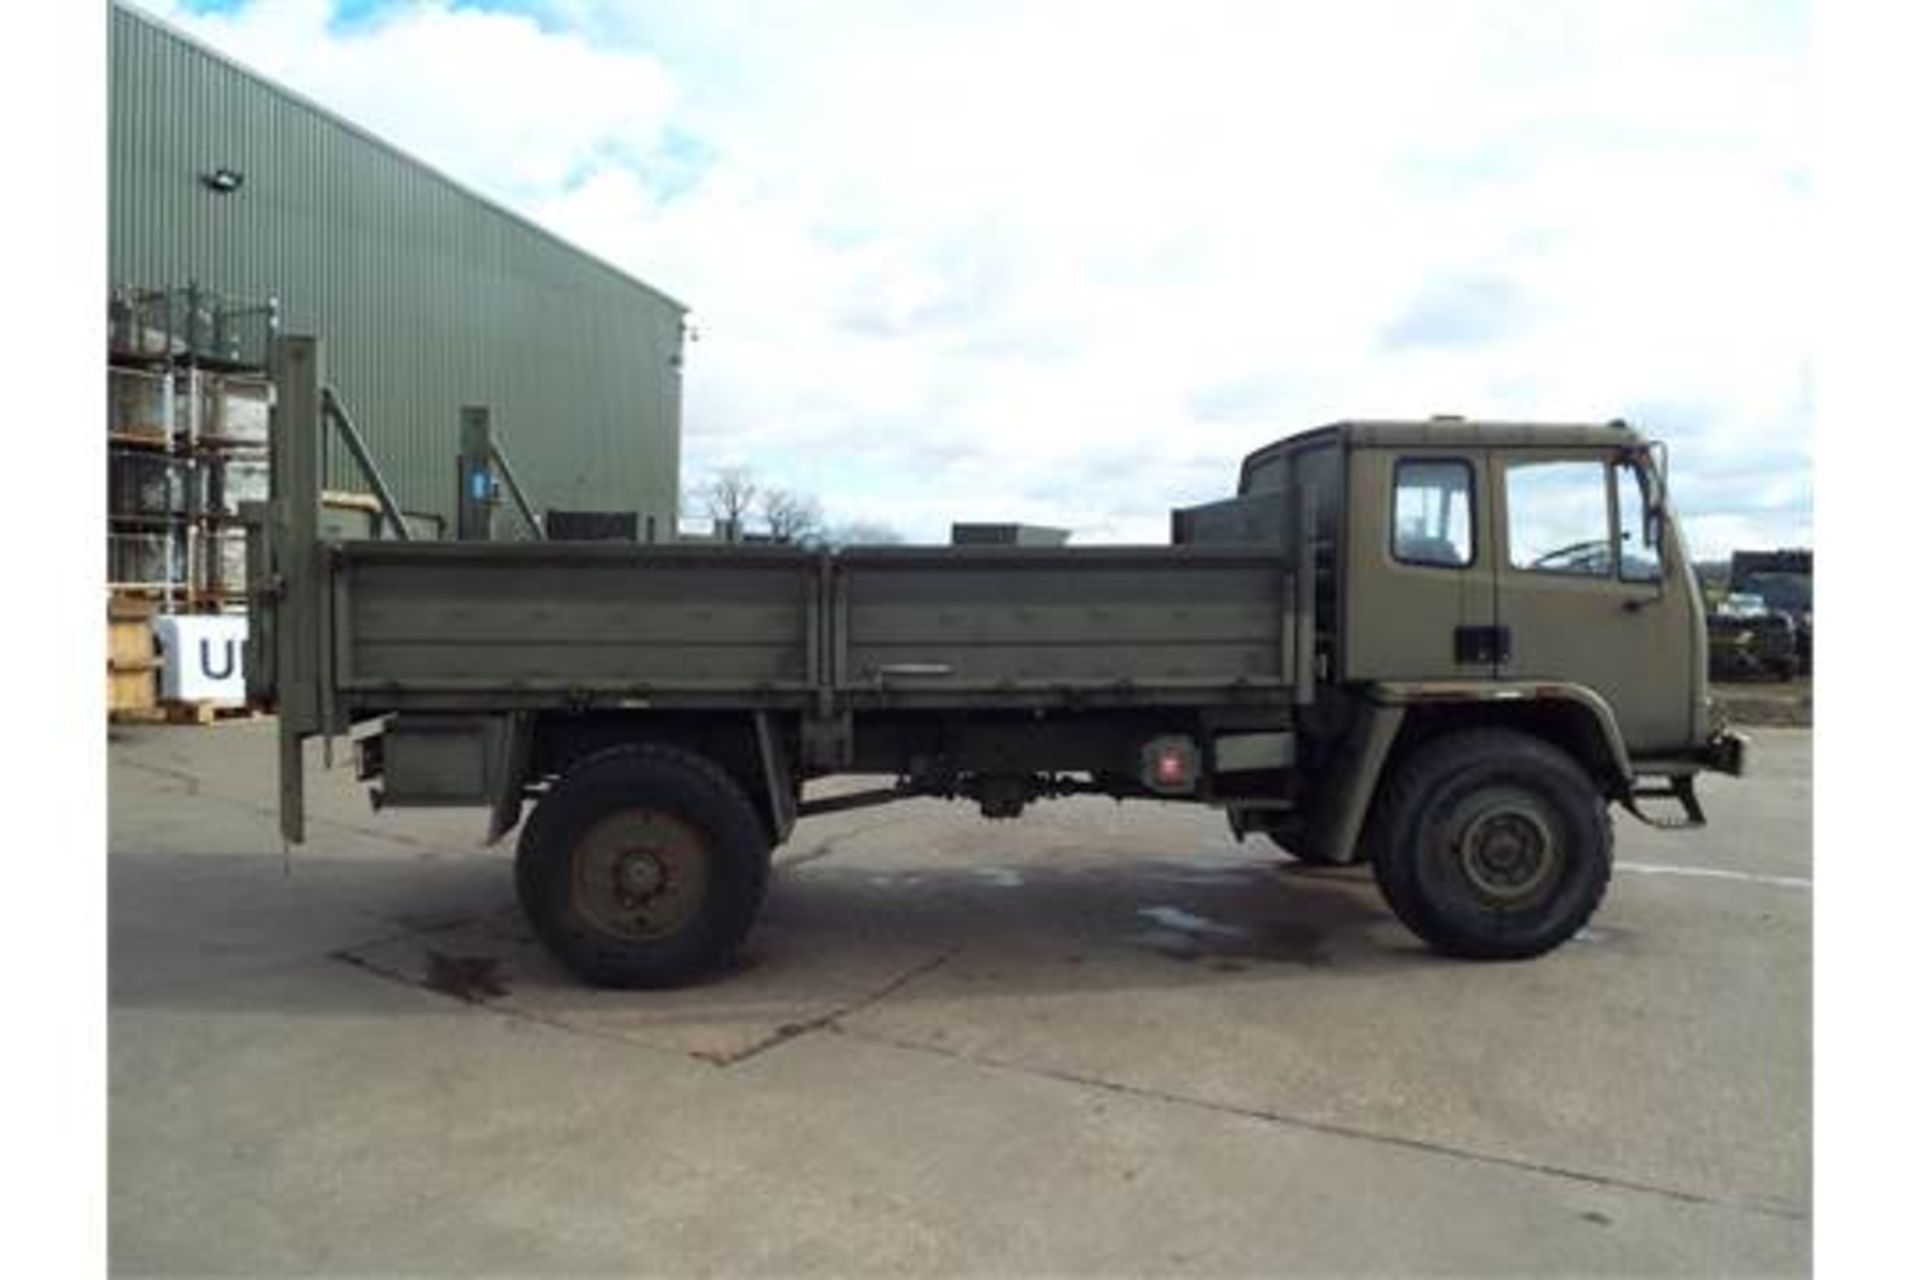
x=515, y=1012
x=829, y=845
x=824, y=849
x=189, y=782
x=405, y=932
x=1760, y=1205
x=192, y=787
x=831, y=1018
x=781, y=1035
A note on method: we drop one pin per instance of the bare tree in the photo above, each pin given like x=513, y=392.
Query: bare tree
x=791, y=516
x=732, y=495
x=728, y=495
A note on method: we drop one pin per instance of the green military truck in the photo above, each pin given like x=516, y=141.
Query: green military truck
x=1442, y=647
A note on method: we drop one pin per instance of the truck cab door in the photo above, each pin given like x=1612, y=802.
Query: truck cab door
x=1420, y=578
x=1590, y=592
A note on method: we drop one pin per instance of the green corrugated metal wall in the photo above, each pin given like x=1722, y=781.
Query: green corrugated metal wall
x=426, y=296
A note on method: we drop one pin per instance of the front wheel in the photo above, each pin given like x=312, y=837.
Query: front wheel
x=1495, y=846
x=642, y=867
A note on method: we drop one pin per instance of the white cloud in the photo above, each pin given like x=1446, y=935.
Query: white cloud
x=1066, y=262
x=488, y=97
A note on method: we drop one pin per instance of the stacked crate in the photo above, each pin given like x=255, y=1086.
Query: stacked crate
x=146, y=480
x=188, y=399
x=187, y=405
x=233, y=455
x=130, y=657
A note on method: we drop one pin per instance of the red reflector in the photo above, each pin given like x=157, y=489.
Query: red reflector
x=1170, y=766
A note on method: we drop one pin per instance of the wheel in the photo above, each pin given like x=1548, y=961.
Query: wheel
x=1495, y=845
x=643, y=866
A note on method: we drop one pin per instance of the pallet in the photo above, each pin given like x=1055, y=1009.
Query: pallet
x=139, y=440
x=193, y=713
x=206, y=713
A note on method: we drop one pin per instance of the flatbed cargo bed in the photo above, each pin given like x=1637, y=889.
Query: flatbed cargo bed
x=447, y=625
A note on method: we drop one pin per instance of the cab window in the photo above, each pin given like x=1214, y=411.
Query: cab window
x=1433, y=512
x=1557, y=520
x=1639, y=526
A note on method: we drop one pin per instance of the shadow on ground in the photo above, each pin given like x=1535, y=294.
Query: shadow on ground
x=830, y=939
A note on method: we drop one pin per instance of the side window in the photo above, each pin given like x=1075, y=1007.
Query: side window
x=1557, y=518
x=1433, y=513
x=1639, y=526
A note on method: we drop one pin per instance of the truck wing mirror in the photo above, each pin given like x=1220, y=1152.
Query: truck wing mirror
x=1639, y=469
x=1653, y=464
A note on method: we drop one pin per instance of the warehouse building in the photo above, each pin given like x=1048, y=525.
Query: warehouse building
x=427, y=296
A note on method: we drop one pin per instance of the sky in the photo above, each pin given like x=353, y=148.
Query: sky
x=1066, y=263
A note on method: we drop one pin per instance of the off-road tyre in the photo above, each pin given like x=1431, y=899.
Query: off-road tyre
x=670, y=814
x=1493, y=845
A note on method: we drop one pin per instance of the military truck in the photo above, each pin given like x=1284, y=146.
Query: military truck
x=1446, y=648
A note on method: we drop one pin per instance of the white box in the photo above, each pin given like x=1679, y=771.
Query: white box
x=201, y=657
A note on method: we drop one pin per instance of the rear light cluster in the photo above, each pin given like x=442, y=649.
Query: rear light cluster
x=1170, y=765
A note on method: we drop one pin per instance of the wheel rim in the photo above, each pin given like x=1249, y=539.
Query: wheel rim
x=1510, y=850
x=640, y=874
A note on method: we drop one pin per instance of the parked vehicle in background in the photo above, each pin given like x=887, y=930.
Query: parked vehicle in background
x=1749, y=640
x=1442, y=647
x=1784, y=581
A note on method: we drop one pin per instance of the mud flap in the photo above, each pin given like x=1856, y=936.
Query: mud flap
x=1335, y=822
x=515, y=752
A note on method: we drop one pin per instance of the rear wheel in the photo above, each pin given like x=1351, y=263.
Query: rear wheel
x=1495, y=845
x=643, y=867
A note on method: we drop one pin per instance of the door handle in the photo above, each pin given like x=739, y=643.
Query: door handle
x=902, y=670
x=1482, y=646
x=1633, y=606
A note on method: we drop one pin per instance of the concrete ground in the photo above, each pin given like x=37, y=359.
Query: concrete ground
x=1103, y=1039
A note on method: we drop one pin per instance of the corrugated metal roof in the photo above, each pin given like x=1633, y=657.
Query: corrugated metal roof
x=428, y=297
x=296, y=98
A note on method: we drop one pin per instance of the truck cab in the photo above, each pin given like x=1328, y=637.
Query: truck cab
x=1525, y=578
x=1508, y=553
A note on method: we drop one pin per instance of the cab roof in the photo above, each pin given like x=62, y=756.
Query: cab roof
x=1449, y=432
x=1403, y=432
